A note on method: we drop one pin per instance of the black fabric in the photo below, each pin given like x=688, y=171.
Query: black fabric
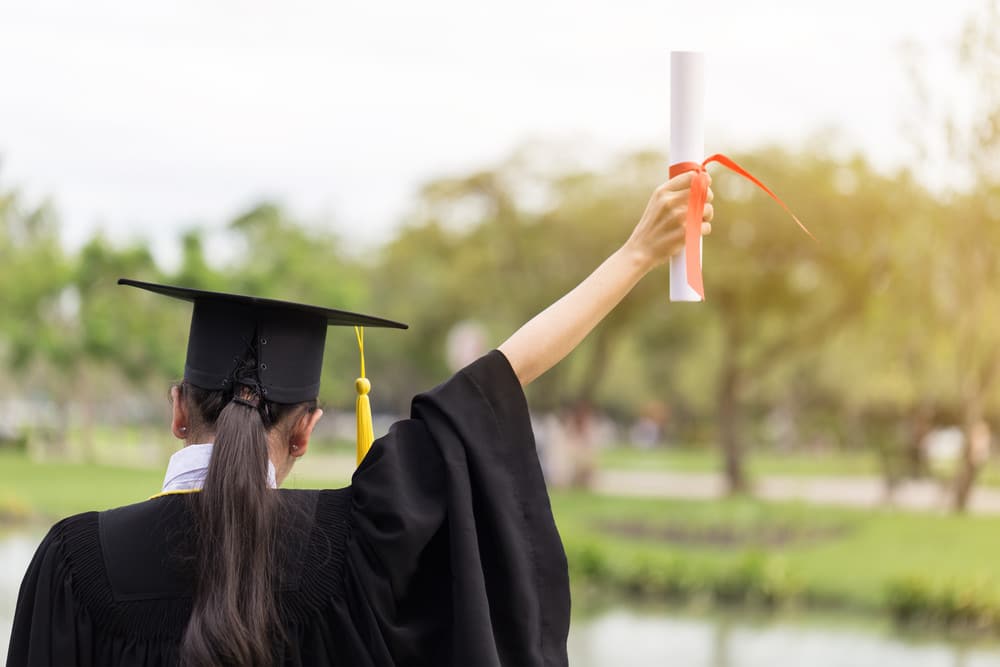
x=286, y=339
x=157, y=532
x=288, y=349
x=332, y=316
x=443, y=551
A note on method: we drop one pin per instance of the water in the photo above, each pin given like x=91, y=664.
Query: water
x=627, y=636
x=16, y=550
x=623, y=636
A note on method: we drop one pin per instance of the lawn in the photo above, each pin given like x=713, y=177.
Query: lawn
x=739, y=550
x=52, y=490
x=780, y=550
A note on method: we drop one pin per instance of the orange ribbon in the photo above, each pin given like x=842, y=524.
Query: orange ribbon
x=696, y=211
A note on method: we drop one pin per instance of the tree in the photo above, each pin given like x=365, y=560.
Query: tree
x=958, y=268
x=774, y=294
x=34, y=274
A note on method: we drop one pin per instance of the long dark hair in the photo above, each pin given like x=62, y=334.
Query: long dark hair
x=234, y=619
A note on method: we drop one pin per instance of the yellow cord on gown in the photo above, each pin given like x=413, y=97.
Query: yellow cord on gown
x=366, y=434
x=172, y=493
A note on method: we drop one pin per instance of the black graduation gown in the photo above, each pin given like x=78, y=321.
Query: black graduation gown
x=443, y=551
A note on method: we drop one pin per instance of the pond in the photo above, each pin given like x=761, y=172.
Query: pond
x=16, y=550
x=624, y=635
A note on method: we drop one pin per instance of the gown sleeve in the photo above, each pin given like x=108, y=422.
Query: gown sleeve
x=454, y=557
x=46, y=628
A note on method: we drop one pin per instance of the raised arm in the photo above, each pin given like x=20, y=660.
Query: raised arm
x=556, y=331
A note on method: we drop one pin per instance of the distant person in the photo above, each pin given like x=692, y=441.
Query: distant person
x=567, y=447
x=581, y=436
x=442, y=551
x=649, y=430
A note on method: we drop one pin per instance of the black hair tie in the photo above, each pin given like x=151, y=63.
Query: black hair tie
x=247, y=392
x=253, y=402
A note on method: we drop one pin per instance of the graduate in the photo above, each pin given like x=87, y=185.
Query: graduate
x=442, y=551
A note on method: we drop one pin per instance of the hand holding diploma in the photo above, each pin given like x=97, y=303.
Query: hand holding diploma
x=660, y=232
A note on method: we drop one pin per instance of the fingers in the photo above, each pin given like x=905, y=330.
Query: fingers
x=680, y=181
x=675, y=238
x=662, y=227
x=683, y=181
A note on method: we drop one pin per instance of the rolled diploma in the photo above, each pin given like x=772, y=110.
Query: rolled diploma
x=687, y=141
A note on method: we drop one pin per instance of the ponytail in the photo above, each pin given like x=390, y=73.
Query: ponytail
x=234, y=619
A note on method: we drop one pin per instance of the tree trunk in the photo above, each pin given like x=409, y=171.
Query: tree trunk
x=729, y=426
x=921, y=423
x=975, y=451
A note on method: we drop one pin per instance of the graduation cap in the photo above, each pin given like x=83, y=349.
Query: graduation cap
x=286, y=339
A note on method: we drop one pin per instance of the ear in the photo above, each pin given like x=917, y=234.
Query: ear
x=179, y=419
x=299, y=441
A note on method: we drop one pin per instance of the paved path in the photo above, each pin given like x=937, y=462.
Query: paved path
x=848, y=491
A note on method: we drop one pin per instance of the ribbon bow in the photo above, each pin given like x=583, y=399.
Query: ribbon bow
x=696, y=211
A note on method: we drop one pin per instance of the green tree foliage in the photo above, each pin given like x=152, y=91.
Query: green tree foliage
x=775, y=295
x=34, y=274
x=120, y=327
x=891, y=310
x=954, y=268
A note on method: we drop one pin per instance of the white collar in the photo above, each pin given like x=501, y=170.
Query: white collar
x=189, y=466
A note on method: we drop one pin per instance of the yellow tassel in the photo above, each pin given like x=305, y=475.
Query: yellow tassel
x=366, y=434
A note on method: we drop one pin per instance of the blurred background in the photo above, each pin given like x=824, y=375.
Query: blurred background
x=800, y=470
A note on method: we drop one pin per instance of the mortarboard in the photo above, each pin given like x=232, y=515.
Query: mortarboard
x=286, y=339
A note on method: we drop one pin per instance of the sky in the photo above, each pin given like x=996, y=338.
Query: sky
x=145, y=119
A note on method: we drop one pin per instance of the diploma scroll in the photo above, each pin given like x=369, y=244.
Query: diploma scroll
x=687, y=143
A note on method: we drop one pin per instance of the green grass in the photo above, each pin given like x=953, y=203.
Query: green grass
x=846, y=557
x=52, y=490
x=60, y=489
x=917, y=565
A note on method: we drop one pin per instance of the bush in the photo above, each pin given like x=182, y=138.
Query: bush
x=755, y=578
x=15, y=441
x=13, y=510
x=917, y=599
